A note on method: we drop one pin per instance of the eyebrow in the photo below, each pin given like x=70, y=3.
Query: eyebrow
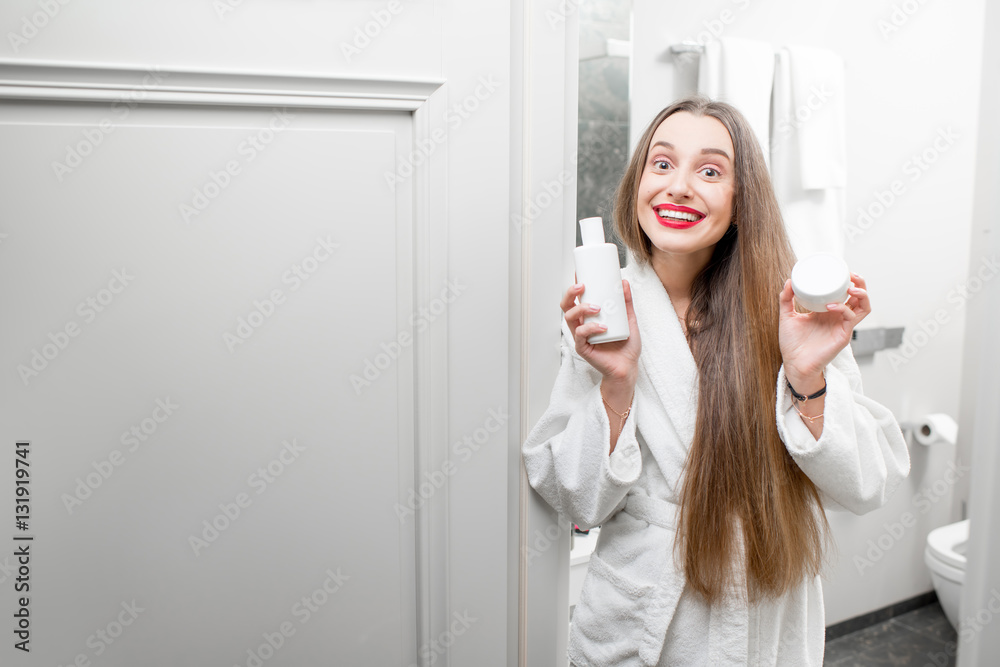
x=704, y=151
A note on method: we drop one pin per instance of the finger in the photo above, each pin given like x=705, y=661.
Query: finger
x=583, y=346
x=859, y=281
x=573, y=320
x=629, y=308
x=569, y=297
x=861, y=299
x=786, y=299
x=843, y=309
x=862, y=308
x=585, y=331
x=579, y=312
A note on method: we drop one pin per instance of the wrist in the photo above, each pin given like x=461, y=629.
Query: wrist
x=618, y=392
x=805, y=383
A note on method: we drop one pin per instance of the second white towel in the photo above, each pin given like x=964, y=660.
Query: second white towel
x=809, y=148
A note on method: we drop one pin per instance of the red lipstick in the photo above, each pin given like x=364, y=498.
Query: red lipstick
x=677, y=223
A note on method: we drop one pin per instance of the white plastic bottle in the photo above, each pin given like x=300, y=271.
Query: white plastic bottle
x=598, y=269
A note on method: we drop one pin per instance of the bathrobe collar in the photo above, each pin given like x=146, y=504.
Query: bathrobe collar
x=666, y=358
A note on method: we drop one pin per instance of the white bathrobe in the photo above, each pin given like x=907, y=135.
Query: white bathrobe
x=635, y=608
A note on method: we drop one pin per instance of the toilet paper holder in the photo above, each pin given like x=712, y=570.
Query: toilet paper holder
x=931, y=429
x=866, y=342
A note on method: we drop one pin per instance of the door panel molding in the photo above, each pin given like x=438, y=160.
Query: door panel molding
x=421, y=246
x=109, y=83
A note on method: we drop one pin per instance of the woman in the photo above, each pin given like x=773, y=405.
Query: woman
x=708, y=443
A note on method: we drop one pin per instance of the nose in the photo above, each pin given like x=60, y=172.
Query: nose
x=679, y=186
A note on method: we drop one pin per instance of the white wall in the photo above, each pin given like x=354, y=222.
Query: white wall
x=979, y=640
x=252, y=36
x=906, y=82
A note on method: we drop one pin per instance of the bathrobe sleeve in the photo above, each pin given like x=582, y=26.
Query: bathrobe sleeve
x=861, y=456
x=566, y=453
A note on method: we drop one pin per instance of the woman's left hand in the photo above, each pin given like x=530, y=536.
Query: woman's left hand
x=809, y=341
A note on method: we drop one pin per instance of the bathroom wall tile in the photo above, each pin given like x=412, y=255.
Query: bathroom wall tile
x=604, y=89
x=602, y=158
x=601, y=162
x=605, y=19
x=603, y=109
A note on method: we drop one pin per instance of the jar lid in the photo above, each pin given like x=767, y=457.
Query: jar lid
x=820, y=279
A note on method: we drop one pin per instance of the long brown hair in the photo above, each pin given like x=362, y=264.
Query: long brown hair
x=750, y=520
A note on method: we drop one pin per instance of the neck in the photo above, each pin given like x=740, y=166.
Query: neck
x=677, y=273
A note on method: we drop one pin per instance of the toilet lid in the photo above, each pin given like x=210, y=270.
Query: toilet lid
x=948, y=543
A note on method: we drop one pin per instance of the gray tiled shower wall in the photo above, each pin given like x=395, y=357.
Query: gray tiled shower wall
x=603, y=112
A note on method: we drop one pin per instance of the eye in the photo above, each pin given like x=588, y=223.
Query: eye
x=711, y=172
x=660, y=163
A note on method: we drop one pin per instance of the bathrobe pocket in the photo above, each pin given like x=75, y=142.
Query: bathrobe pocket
x=623, y=612
x=606, y=620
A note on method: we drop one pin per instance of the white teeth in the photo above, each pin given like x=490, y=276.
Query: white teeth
x=678, y=215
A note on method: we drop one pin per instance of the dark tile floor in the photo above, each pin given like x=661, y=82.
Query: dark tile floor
x=920, y=638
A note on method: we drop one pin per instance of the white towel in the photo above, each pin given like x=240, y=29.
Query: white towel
x=740, y=72
x=808, y=148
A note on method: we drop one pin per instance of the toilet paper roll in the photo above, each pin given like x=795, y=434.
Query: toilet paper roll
x=936, y=428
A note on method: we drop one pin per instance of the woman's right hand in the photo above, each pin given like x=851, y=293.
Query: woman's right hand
x=618, y=361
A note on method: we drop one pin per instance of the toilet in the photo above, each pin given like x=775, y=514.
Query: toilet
x=945, y=556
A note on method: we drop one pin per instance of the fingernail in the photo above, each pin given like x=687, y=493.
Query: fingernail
x=832, y=306
x=592, y=308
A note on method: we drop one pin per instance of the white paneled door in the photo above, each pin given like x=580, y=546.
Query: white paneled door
x=253, y=355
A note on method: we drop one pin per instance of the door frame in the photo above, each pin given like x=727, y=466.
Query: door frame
x=545, y=59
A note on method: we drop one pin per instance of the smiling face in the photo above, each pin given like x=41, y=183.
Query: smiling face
x=685, y=194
